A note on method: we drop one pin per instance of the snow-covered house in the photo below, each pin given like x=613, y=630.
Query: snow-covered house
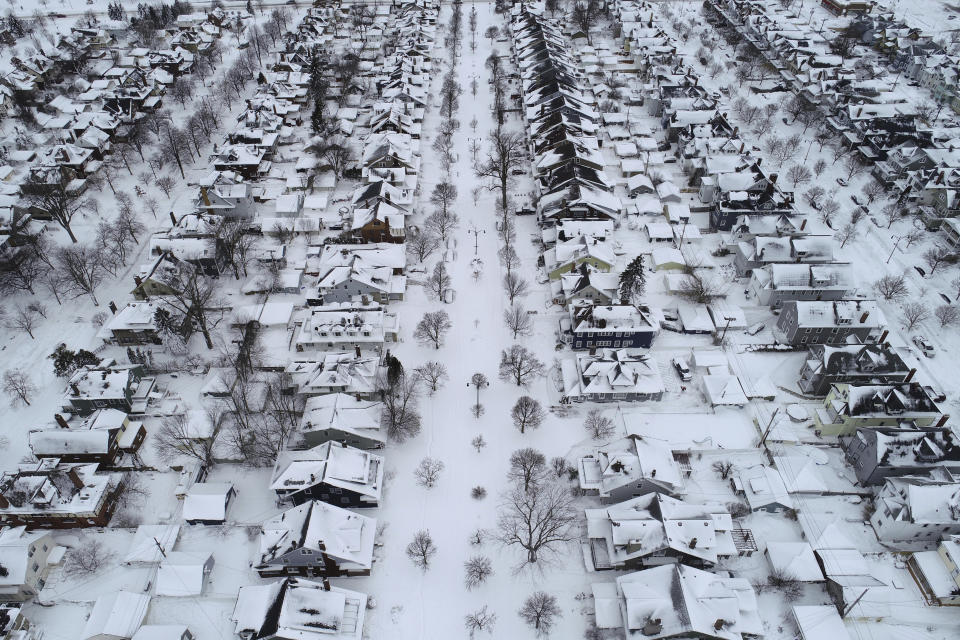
x=26, y=559
x=331, y=472
x=938, y=572
x=630, y=467
x=134, y=324
x=622, y=325
x=919, y=507
x=208, y=502
x=108, y=385
x=163, y=632
x=298, y=609
x=793, y=561
x=848, y=407
x=566, y=257
x=775, y=284
x=808, y=322
x=827, y=365
x=55, y=495
x=342, y=418
x=316, y=539
x=335, y=373
x=116, y=616
x=877, y=453
x=346, y=283
x=103, y=436
x=656, y=529
x=346, y=326
x=677, y=601
x=611, y=375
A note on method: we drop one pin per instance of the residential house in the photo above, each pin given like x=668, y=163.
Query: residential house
x=26, y=558
x=55, y=495
x=135, y=324
x=677, y=601
x=611, y=375
x=335, y=373
x=316, y=539
x=566, y=257
x=774, y=284
x=351, y=283
x=103, y=437
x=298, y=609
x=919, y=507
x=183, y=573
x=762, y=488
x=763, y=250
x=108, y=385
x=334, y=473
x=381, y=222
x=342, y=418
x=623, y=325
x=827, y=365
x=879, y=453
x=247, y=160
x=594, y=287
x=938, y=572
x=848, y=407
x=163, y=276
x=115, y=616
x=630, y=467
x=655, y=529
x=163, y=632
x=346, y=326
x=807, y=322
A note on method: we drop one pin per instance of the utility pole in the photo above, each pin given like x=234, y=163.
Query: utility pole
x=159, y=546
x=895, y=245
x=766, y=433
x=854, y=603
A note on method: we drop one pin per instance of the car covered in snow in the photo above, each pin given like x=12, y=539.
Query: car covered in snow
x=925, y=346
x=683, y=369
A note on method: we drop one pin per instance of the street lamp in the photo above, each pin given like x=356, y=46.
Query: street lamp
x=476, y=238
x=895, y=245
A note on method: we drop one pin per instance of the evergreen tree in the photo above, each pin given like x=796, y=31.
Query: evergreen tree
x=632, y=281
x=394, y=369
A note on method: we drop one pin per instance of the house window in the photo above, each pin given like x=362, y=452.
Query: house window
x=36, y=566
x=307, y=552
x=336, y=491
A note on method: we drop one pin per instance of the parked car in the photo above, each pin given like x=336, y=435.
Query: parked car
x=923, y=274
x=754, y=329
x=841, y=182
x=449, y=296
x=925, y=346
x=683, y=369
x=855, y=199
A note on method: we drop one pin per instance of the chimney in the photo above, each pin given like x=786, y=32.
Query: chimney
x=883, y=338
x=137, y=280
x=61, y=421
x=113, y=307
x=173, y=219
x=326, y=585
x=357, y=349
x=803, y=224
x=72, y=474
x=3, y=502
x=863, y=318
x=693, y=543
x=75, y=388
x=943, y=420
x=204, y=196
x=719, y=624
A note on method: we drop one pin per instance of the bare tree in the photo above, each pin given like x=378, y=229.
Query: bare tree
x=598, y=425
x=82, y=269
x=913, y=314
x=422, y=549
x=538, y=521
x=947, y=314
x=18, y=385
x=439, y=281
x=872, y=191
x=699, y=288
x=443, y=195
x=819, y=167
x=584, y=15
x=25, y=319
x=400, y=415
x=193, y=297
x=853, y=166
x=799, y=174
x=433, y=374
x=20, y=269
x=177, y=438
x=480, y=620
x=232, y=241
x=88, y=557
x=814, y=195
x=527, y=413
x=528, y=467
x=59, y=203
x=506, y=154
x=519, y=365
x=515, y=286
x=723, y=468
x=432, y=328
x=540, y=611
x=476, y=571
x=442, y=224
x=422, y=244
x=518, y=321
x=937, y=255
x=846, y=233
x=891, y=287
x=165, y=184
x=428, y=472
x=828, y=209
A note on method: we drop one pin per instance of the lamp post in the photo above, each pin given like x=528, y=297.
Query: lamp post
x=895, y=245
x=476, y=238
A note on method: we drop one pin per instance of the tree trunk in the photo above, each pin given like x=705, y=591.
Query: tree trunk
x=66, y=226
